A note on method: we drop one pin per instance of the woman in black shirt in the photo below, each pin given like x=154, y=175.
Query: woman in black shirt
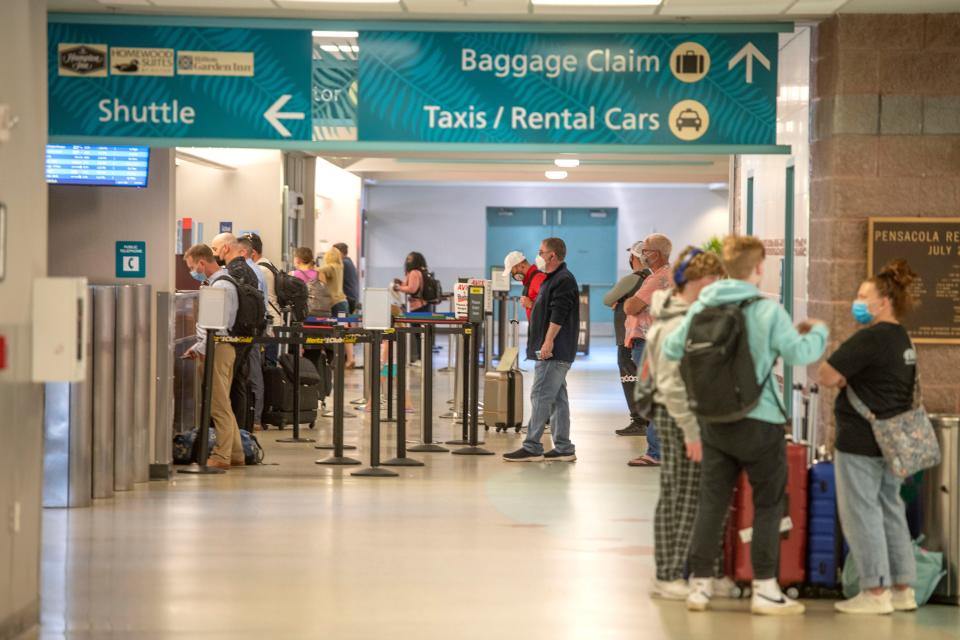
x=878, y=363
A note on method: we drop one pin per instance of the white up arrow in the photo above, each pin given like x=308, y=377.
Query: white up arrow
x=749, y=53
x=274, y=115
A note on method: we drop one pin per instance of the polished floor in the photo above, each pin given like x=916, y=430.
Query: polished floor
x=465, y=547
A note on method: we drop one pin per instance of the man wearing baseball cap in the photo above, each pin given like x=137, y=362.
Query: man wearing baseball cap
x=518, y=268
x=615, y=299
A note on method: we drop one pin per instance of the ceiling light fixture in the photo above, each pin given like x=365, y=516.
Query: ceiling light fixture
x=596, y=3
x=567, y=163
x=556, y=175
x=336, y=34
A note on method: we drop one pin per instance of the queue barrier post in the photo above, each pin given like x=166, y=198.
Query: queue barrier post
x=339, y=385
x=426, y=397
x=200, y=467
x=390, y=353
x=402, y=460
x=375, y=470
x=463, y=387
x=474, y=449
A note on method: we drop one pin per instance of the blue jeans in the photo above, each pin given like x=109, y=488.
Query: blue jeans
x=653, y=442
x=874, y=521
x=549, y=396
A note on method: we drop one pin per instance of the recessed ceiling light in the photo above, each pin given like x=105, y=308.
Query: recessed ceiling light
x=336, y=34
x=556, y=175
x=567, y=163
x=596, y=3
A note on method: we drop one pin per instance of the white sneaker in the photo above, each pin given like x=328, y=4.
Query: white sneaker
x=725, y=588
x=670, y=590
x=867, y=603
x=769, y=600
x=905, y=600
x=700, y=591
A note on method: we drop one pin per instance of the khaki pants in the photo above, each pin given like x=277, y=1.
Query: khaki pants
x=229, y=446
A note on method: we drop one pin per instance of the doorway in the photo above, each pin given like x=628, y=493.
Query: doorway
x=589, y=232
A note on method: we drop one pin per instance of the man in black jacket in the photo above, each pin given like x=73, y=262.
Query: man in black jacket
x=552, y=342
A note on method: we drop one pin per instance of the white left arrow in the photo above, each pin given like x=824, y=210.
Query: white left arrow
x=274, y=115
x=749, y=53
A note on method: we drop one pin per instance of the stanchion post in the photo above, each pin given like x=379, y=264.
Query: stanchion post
x=474, y=449
x=454, y=413
x=297, y=336
x=201, y=468
x=375, y=470
x=390, y=350
x=426, y=396
x=463, y=386
x=339, y=385
x=402, y=460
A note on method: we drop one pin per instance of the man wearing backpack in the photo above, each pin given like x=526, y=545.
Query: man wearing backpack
x=229, y=448
x=269, y=273
x=739, y=334
x=248, y=377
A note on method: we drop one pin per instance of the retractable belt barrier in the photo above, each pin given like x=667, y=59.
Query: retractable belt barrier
x=341, y=336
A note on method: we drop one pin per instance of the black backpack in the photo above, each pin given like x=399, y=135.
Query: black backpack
x=431, y=291
x=717, y=367
x=251, y=310
x=291, y=293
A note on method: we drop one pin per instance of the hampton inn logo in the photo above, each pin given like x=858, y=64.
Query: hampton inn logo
x=83, y=60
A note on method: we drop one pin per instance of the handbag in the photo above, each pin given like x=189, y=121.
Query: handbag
x=907, y=440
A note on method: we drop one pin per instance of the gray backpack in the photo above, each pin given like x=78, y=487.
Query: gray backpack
x=319, y=302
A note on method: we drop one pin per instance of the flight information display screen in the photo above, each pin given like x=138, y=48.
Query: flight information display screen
x=98, y=165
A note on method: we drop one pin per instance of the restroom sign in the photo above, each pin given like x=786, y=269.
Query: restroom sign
x=131, y=259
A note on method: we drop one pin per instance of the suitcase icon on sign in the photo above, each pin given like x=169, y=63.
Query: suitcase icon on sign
x=689, y=62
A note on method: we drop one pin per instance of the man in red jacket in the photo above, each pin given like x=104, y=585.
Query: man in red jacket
x=519, y=268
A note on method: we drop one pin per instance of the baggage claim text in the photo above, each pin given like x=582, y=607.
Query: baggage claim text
x=549, y=66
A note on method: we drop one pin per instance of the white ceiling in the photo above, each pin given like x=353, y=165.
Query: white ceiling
x=512, y=10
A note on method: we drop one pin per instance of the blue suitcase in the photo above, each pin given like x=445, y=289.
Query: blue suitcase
x=824, y=547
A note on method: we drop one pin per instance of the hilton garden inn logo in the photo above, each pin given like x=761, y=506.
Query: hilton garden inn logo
x=83, y=60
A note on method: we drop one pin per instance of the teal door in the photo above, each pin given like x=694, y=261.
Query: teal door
x=590, y=235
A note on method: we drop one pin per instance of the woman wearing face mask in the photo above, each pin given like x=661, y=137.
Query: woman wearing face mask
x=412, y=285
x=878, y=363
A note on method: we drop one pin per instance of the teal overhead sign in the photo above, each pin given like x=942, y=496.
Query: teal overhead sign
x=263, y=83
x=509, y=88
x=131, y=81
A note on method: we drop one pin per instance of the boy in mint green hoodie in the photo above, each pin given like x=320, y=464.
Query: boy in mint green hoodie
x=755, y=444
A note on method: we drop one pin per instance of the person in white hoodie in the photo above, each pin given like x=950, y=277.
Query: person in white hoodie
x=677, y=427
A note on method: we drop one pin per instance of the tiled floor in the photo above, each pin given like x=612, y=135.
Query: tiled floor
x=466, y=547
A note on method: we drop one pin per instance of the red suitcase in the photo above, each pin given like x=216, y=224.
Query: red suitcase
x=793, y=546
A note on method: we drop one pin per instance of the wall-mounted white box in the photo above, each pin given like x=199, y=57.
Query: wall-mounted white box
x=60, y=320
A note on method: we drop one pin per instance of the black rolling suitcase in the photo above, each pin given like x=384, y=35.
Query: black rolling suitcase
x=278, y=395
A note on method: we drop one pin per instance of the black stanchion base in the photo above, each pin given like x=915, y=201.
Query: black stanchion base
x=296, y=440
x=473, y=451
x=330, y=447
x=459, y=441
x=449, y=416
x=375, y=472
x=428, y=448
x=338, y=461
x=402, y=462
x=201, y=470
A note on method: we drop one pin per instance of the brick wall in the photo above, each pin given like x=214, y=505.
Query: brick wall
x=885, y=142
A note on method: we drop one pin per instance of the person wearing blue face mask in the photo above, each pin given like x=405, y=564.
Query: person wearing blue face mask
x=228, y=452
x=878, y=363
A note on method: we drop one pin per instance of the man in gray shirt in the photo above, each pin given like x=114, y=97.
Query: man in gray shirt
x=626, y=287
